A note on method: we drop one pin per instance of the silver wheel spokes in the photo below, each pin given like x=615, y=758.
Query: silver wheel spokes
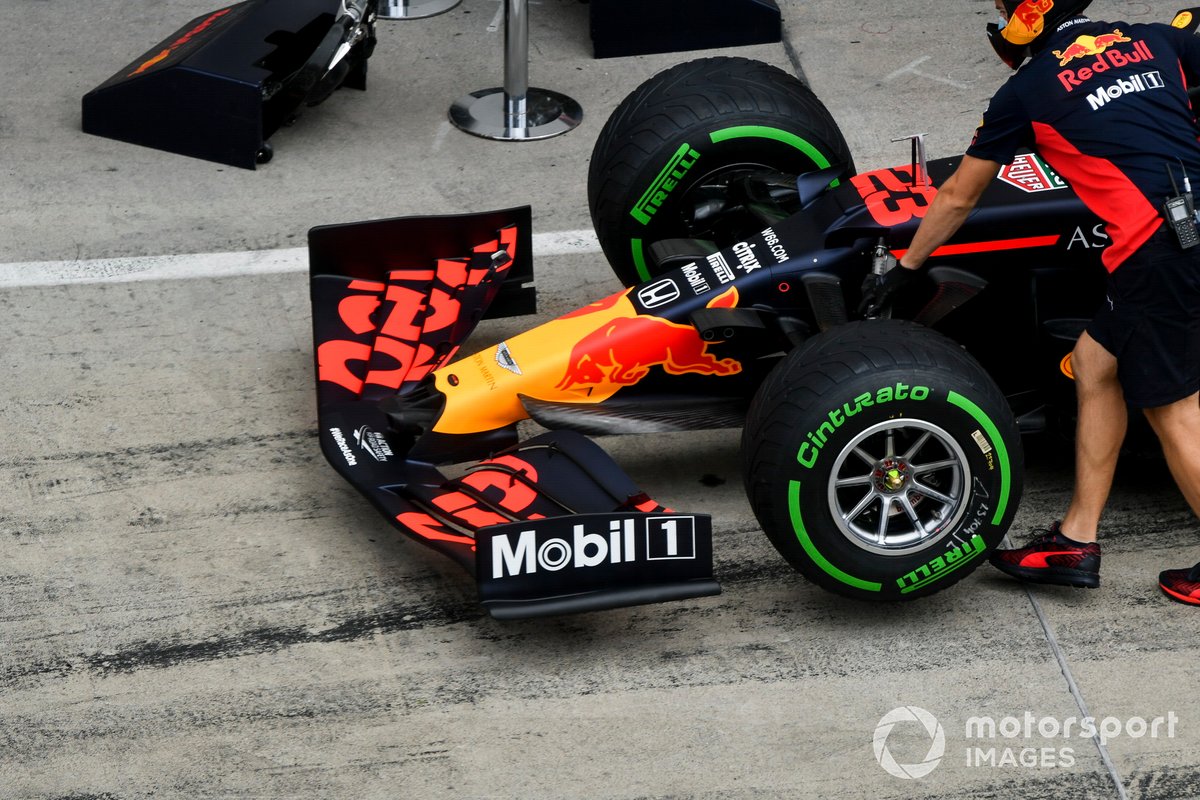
x=898, y=484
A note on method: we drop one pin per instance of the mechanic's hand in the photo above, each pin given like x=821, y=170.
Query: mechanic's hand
x=877, y=290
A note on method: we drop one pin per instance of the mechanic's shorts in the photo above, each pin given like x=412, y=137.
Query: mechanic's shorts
x=1151, y=322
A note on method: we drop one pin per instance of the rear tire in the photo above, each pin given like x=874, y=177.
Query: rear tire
x=678, y=139
x=882, y=461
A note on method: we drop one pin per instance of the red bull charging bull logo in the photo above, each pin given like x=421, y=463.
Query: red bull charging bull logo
x=1085, y=46
x=1027, y=21
x=585, y=356
x=1104, y=56
x=623, y=350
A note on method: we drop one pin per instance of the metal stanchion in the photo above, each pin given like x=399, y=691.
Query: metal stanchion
x=414, y=9
x=517, y=111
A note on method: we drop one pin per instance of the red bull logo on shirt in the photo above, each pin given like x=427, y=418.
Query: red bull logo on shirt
x=1105, y=57
x=1085, y=46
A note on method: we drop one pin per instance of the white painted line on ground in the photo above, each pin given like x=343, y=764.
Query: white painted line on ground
x=912, y=68
x=501, y=18
x=439, y=138
x=498, y=19
x=223, y=265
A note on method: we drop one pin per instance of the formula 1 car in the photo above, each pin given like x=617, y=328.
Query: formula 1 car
x=882, y=457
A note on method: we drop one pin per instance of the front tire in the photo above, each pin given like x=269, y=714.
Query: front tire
x=667, y=155
x=882, y=461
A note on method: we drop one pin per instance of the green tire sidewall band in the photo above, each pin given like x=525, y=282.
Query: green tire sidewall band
x=742, y=132
x=988, y=426
x=810, y=548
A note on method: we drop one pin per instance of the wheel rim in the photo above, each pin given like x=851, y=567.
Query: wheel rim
x=898, y=486
x=709, y=192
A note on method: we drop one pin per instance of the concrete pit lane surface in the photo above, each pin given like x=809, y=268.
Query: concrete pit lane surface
x=195, y=605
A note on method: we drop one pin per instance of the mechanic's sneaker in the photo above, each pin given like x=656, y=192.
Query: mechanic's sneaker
x=1181, y=584
x=1053, y=558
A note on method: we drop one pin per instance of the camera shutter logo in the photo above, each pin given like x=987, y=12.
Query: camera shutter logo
x=937, y=744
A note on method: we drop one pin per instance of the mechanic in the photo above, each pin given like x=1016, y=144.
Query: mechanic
x=1106, y=105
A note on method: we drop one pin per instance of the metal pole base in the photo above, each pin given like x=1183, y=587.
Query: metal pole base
x=414, y=9
x=490, y=113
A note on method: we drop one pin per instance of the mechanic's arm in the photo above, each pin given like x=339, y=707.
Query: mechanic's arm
x=953, y=202
x=946, y=214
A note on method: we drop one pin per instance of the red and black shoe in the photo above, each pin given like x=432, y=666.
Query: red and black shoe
x=1181, y=584
x=1053, y=558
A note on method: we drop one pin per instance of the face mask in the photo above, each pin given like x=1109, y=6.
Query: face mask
x=1002, y=23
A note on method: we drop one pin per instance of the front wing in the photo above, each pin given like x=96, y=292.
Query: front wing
x=551, y=525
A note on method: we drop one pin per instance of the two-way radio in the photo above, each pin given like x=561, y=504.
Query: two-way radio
x=1179, y=211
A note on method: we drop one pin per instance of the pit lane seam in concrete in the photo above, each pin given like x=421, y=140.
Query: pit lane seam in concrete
x=1073, y=687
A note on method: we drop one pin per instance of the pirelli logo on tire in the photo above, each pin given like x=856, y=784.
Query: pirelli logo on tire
x=942, y=565
x=664, y=183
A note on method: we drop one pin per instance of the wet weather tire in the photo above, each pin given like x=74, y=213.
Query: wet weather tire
x=676, y=140
x=882, y=461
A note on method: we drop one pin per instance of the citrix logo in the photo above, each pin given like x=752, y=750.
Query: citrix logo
x=937, y=743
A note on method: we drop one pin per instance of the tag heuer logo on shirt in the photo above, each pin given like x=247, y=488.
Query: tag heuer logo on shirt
x=1030, y=173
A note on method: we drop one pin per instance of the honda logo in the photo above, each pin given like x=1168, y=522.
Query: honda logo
x=658, y=293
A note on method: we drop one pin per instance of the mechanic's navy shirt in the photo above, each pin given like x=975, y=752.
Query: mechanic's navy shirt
x=1105, y=103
